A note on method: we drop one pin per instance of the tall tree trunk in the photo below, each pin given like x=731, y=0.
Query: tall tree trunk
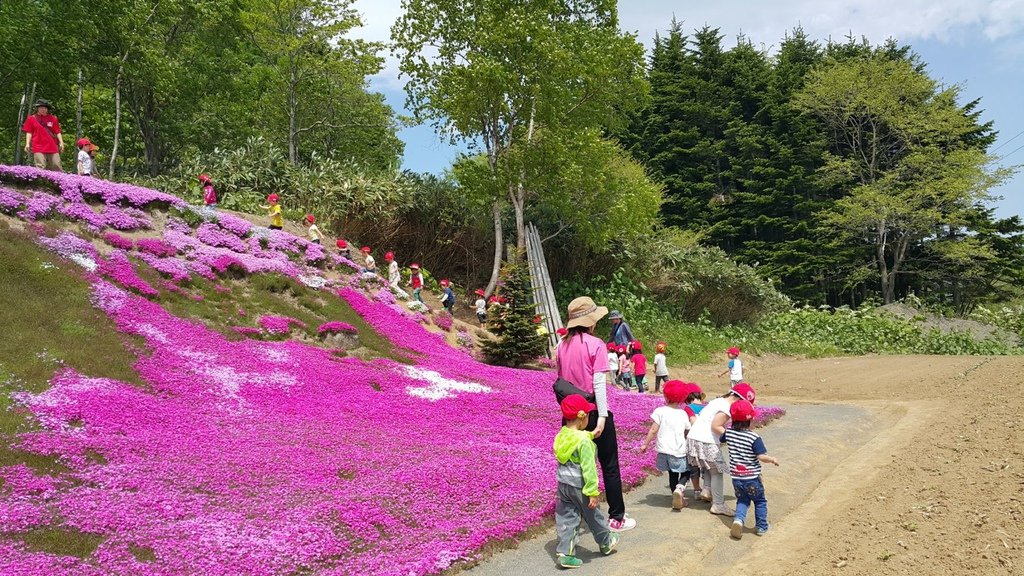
x=78, y=108
x=499, y=242
x=293, y=104
x=518, y=193
x=17, y=127
x=885, y=278
x=117, y=124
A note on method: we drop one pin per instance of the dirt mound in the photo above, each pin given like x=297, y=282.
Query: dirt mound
x=945, y=325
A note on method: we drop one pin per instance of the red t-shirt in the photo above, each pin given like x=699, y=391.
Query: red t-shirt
x=639, y=365
x=209, y=196
x=417, y=280
x=42, y=142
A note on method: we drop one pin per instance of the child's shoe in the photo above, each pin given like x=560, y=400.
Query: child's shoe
x=610, y=547
x=705, y=495
x=621, y=525
x=565, y=561
x=762, y=531
x=723, y=511
x=737, y=530
x=678, y=501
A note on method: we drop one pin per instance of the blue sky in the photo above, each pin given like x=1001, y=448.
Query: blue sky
x=978, y=44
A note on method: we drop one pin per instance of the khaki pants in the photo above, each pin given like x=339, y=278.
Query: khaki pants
x=47, y=161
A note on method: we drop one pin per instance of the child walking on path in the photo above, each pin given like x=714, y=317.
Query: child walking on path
x=735, y=369
x=209, y=194
x=447, y=297
x=639, y=367
x=746, y=453
x=85, y=162
x=670, y=425
x=416, y=281
x=577, y=484
x=660, y=366
x=481, y=307
x=703, y=445
x=613, y=361
x=625, y=368
x=274, y=211
x=315, y=236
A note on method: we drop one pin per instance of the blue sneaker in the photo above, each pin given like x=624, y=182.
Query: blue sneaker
x=763, y=531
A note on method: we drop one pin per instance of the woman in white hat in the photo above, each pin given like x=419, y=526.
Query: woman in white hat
x=582, y=360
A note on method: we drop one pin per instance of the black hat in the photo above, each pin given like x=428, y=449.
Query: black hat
x=42, y=102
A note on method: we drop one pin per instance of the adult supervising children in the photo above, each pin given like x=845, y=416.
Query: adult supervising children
x=582, y=361
x=621, y=333
x=43, y=138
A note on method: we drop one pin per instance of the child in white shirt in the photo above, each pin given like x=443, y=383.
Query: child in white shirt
x=660, y=366
x=671, y=424
x=735, y=369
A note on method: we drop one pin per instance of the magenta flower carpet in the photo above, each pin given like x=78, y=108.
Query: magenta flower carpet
x=270, y=457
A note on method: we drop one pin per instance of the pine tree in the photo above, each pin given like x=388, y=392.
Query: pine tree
x=512, y=321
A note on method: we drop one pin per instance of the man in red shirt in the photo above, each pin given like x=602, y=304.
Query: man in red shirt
x=43, y=138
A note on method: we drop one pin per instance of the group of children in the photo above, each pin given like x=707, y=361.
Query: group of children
x=687, y=435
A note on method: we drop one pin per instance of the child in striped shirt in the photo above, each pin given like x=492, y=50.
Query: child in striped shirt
x=746, y=453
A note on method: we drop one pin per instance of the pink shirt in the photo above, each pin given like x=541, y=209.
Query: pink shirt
x=581, y=356
x=639, y=364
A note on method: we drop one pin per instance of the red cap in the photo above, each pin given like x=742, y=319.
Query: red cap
x=310, y=218
x=562, y=331
x=341, y=243
x=676, y=391
x=273, y=198
x=414, y=266
x=365, y=249
x=479, y=292
x=573, y=405
x=637, y=345
x=741, y=411
x=612, y=347
x=695, y=388
x=83, y=142
x=744, y=391
x=202, y=177
x=389, y=256
x=622, y=350
x=444, y=282
x=734, y=351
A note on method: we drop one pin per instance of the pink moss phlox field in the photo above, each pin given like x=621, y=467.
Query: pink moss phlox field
x=74, y=188
x=279, y=324
x=11, y=201
x=443, y=320
x=117, y=241
x=212, y=235
x=118, y=268
x=336, y=327
x=39, y=205
x=156, y=247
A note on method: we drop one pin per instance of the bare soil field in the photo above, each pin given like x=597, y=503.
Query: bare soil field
x=890, y=465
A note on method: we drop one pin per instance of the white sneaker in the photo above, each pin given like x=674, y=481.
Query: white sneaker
x=705, y=495
x=737, y=530
x=678, y=501
x=621, y=525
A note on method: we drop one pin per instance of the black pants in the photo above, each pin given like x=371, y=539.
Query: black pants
x=272, y=227
x=677, y=478
x=658, y=381
x=608, y=456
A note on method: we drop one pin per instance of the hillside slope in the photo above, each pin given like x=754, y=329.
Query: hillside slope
x=177, y=402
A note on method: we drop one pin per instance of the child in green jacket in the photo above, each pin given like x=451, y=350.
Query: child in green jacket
x=577, y=484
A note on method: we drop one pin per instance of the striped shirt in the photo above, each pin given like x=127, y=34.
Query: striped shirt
x=744, y=448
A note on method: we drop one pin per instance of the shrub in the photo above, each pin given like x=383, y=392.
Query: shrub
x=443, y=320
x=517, y=340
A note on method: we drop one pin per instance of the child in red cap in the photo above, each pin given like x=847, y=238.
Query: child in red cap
x=639, y=367
x=613, y=359
x=315, y=236
x=481, y=307
x=209, y=194
x=703, y=445
x=671, y=423
x=625, y=368
x=577, y=484
x=416, y=281
x=371, y=264
x=660, y=366
x=735, y=369
x=343, y=248
x=274, y=211
x=746, y=453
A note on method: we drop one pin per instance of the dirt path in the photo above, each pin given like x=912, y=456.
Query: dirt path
x=891, y=465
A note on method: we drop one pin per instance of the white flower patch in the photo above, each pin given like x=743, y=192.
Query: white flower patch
x=83, y=261
x=275, y=355
x=153, y=333
x=439, y=386
x=314, y=282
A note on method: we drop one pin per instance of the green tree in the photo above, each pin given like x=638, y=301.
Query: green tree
x=494, y=73
x=901, y=147
x=512, y=322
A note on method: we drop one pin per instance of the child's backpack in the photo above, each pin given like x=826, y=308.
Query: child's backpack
x=451, y=297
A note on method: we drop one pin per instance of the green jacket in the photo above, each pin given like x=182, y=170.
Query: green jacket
x=576, y=452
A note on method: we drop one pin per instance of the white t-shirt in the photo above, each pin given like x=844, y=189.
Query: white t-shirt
x=370, y=262
x=613, y=361
x=314, y=233
x=481, y=306
x=701, y=430
x=86, y=161
x=672, y=426
x=735, y=370
x=660, y=369
x=393, y=276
